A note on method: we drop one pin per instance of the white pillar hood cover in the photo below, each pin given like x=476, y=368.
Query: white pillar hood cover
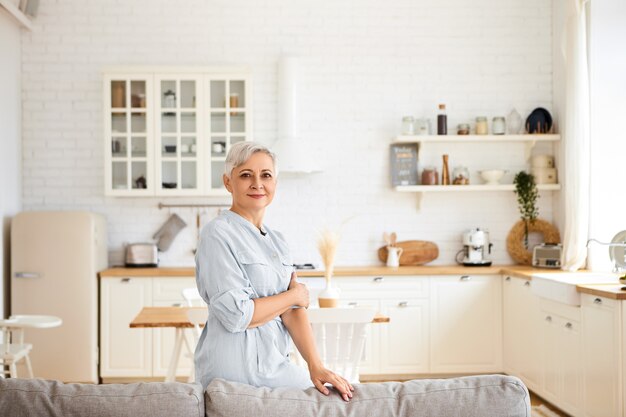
x=294, y=154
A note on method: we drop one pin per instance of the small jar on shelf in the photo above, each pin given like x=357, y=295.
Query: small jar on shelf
x=430, y=176
x=482, y=128
x=498, y=125
x=463, y=129
x=460, y=176
x=408, y=125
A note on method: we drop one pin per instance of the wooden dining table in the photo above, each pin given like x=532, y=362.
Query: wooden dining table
x=178, y=318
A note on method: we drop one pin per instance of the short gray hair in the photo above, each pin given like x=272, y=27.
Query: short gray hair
x=240, y=152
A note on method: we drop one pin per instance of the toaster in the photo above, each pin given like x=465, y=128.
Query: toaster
x=547, y=255
x=141, y=255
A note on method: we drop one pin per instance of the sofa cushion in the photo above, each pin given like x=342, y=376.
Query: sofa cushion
x=37, y=397
x=480, y=396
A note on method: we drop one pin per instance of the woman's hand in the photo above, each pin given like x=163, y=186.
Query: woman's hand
x=300, y=292
x=321, y=375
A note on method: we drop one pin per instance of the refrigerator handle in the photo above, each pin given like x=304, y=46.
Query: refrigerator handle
x=26, y=275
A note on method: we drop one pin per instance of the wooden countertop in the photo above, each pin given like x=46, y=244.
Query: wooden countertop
x=603, y=290
x=613, y=291
x=344, y=271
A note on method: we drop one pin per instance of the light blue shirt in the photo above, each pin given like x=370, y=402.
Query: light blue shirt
x=236, y=263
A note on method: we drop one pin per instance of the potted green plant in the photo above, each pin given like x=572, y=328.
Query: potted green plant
x=527, y=194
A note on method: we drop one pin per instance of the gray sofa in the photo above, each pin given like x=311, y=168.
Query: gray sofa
x=480, y=396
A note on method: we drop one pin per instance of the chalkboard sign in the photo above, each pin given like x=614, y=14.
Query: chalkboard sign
x=403, y=163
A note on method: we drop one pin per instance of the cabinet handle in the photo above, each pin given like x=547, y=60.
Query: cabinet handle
x=125, y=280
x=378, y=279
x=403, y=303
x=507, y=279
x=597, y=301
x=568, y=325
x=353, y=304
x=26, y=275
x=548, y=318
x=527, y=284
x=177, y=304
x=465, y=278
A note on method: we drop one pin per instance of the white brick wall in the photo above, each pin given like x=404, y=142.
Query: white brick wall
x=364, y=63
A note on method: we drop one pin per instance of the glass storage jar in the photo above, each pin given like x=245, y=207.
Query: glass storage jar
x=463, y=129
x=460, y=176
x=481, y=126
x=430, y=176
x=498, y=125
x=408, y=125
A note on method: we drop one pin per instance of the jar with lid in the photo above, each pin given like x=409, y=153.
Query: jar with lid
x=498, y=125
x=460, y=176
x=463, y=129
x=408, y=125
x=430, y=176
x=481, y=126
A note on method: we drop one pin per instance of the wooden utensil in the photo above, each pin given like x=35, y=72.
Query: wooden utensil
x=415, y=252
x=394, y=238
x=386, y=238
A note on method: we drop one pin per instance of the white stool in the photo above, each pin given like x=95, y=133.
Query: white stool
x=13, y=349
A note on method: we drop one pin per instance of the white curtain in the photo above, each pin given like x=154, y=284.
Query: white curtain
x=576, y=138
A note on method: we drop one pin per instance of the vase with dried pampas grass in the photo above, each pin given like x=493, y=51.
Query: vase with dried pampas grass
x=327, y=244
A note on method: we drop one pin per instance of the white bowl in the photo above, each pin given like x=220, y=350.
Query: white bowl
x=492, y=176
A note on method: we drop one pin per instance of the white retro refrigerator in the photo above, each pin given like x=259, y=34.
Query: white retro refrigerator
x=55, y=260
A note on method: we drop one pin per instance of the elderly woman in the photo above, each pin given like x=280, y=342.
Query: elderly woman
x=244, y=273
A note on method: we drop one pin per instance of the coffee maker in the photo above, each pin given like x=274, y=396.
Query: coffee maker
x=476, y=248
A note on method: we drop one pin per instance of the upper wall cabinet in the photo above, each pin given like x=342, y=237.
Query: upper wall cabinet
x=167, y=130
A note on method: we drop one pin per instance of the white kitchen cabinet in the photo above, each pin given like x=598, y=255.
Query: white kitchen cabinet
x=400, y=346
x=124, y=352
x=562, y=356
x=522, y=337
x=168, y=129
x=404, y=340
x=132, y=352
x=600, y=321
x=466, y=324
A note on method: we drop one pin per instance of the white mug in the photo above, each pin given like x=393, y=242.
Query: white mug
x=184, y=148
x=393, y=256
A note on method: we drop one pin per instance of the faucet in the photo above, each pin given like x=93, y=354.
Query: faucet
x=617, y=268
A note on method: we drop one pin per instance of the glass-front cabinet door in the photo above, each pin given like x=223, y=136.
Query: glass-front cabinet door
x=128, y=133
x=168, y=130
x=178, y=133
x=227, y=117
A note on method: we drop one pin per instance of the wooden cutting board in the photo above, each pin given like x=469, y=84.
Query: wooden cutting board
x=415, y=252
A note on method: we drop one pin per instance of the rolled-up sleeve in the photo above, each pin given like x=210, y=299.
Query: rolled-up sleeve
x=221, y=282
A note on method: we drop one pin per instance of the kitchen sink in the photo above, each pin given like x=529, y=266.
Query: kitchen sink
x=561, y=287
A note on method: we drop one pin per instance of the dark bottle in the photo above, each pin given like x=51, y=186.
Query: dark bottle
x=442, y=120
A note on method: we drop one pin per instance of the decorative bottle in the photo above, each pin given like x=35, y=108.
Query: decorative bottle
x=445, y=173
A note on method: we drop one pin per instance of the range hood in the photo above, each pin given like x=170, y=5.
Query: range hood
x=294, y=154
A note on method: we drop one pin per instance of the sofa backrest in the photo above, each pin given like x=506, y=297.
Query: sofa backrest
x=480, y=396
x=41, y=398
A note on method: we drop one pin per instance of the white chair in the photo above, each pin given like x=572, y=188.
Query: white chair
x=13, y=349
x=197, y=318
x=340, y=335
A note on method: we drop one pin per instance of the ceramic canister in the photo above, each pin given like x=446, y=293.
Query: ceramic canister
x=542, y=161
